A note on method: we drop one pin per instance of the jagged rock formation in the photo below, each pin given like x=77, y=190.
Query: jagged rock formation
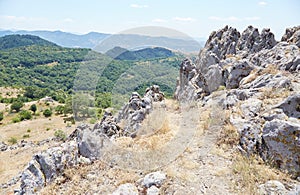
x=85, y=144
x=258, y=73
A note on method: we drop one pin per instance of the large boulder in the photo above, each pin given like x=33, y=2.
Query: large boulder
x=282, y=140
x=47, y=165
x=291, y=106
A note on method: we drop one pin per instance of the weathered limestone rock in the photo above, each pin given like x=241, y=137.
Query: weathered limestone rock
x=46, y=166
x=154, y=179
x=292, y=35
x=291, y=106
x=235, y=73
x=282, y=140
x=126, y=189
x=272, y=187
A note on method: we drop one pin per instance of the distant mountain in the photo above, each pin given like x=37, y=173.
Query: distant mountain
x=98, y=41
x=120, y=53
x=64, y=39
x=134, y=41
x=13, y=41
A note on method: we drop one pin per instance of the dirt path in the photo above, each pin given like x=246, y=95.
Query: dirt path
x=202, y=168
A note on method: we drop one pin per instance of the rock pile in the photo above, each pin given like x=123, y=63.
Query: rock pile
x=262, y=81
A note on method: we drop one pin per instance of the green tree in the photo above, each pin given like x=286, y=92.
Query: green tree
x=33, y=108
x=47, y=113
x=16, y=106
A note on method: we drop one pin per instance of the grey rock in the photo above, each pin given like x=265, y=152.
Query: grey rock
x=3, y=146
x=272, y=187
x=291, y=106
x=213, y=79
x=292, y=35
x=282, y=140
x=236, y=72
x=90, y=143
x=154, y=178
x=153, y=190
x=126, y=189
x=46, y=166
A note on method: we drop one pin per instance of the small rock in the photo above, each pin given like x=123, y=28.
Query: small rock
x=153, y=190
x=154, y=178
x=126, y=189
x=272, y=187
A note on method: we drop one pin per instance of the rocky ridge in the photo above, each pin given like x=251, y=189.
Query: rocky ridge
x=85, y=144
x=261, y=79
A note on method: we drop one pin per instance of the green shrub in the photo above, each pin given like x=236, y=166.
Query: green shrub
x=16, y=106
x=1, y=116
x=93, y=120
x=60, y=135
x=25, y=114
x=26, y=136
x=16, y=120
x=12, y=140
x=48, y=129
x=47, y=113
x=28, y=130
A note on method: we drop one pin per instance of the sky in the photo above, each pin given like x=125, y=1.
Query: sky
x=196, y=18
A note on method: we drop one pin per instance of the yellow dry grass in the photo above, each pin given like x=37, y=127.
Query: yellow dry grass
x=251, y=172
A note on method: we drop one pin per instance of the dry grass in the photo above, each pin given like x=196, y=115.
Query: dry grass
x=228, y=136
x=251, y=172
x=271, y=93
x=9, y=92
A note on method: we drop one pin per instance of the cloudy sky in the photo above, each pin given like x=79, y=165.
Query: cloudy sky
x=196, y=18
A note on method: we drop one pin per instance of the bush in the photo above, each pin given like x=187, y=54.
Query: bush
x=59, y=109
x=16, y=120
x=60, y=135
x=47, y=113
x=16, y=106
x=1, y=116
x=28, y=130
x=12, y=140
x=25, y=114
x=26, y=136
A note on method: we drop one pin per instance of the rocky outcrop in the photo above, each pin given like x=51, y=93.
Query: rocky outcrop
x=87, y=144
x=257, y=72
x=47, y=165
x=292, y=35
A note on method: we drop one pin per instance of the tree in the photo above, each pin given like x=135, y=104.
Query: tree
x=1, y=116
x=33, y=108
x=16, y=106
x=47, y=113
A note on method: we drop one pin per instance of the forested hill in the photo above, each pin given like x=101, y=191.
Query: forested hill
x=47, y=69
x=13, y=41
x=120, y=53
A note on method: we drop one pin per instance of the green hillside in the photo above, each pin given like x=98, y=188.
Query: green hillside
x=13, y=41
x=53, y=71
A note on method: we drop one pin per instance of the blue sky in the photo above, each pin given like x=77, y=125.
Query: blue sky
x=194, y=17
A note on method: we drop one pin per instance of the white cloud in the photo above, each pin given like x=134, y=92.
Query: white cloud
x=233, y=19
x=262, y=3
x=252, y=18
x=228, y=19
x=138, y=6
x=158, y=20
x=68, y=20
x=187, y=19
